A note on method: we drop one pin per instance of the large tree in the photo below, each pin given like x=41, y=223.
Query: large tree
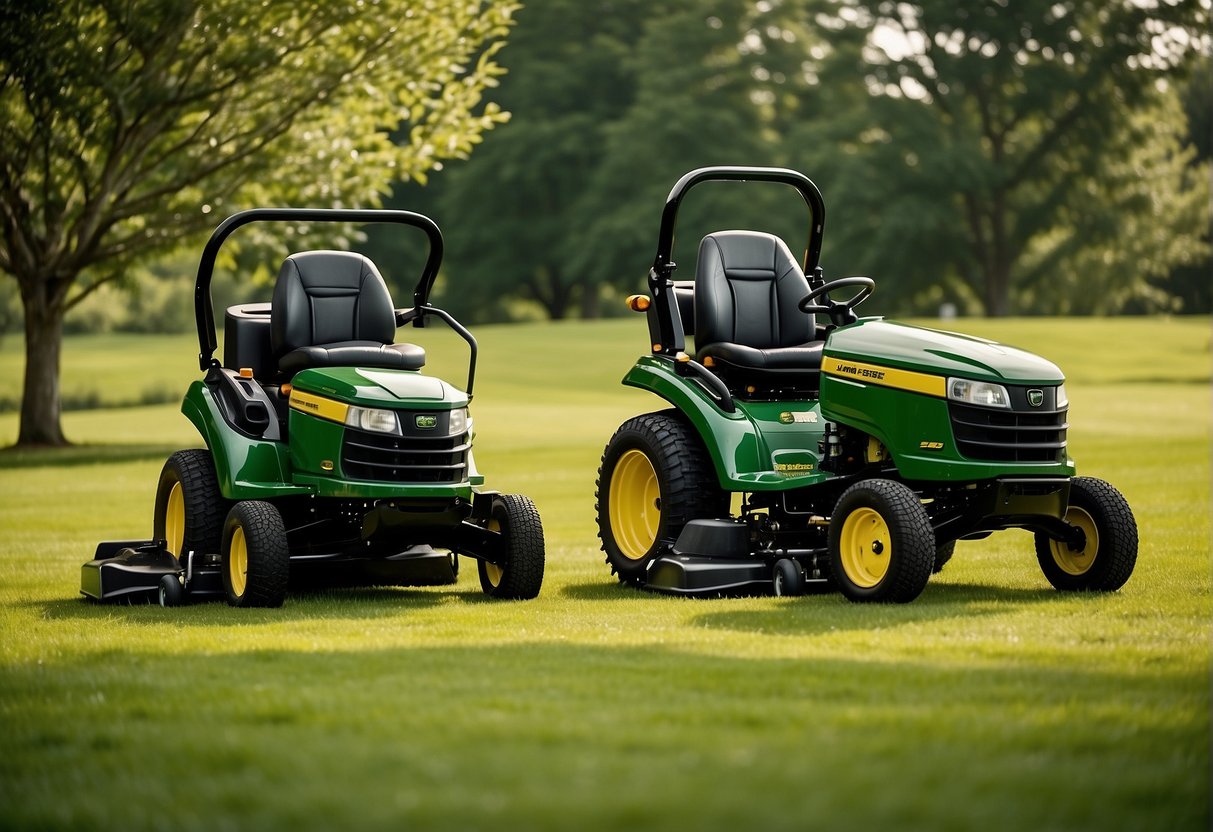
x=611, y=101
x=994, y=144
x=129, y=127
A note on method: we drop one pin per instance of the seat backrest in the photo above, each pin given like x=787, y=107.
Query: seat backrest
x=747, y=290
x=327, y=297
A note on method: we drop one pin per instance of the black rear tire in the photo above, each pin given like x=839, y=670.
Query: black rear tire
x=882, y=546
x=190, y=508
x=655, y=477
x=521, y=576
x=255, y=561
x=1109, y=553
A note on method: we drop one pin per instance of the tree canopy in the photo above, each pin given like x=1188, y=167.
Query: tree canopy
x=1003, y=156
x=129, y=127
x=1016, y=144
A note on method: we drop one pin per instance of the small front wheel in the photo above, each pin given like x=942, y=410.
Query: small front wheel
x=787, y=578
x=1109, y=550
x=520, y=576
x=882, y=547
x=254, y=555
x=171, y=591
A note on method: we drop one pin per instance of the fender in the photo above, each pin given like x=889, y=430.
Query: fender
x=742, y=452
x=247, y=469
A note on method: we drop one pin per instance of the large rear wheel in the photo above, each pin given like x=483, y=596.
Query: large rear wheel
x=882, y=547
x=1109, y=551
x=189, y=508
x=255, y=559
x=655, y=477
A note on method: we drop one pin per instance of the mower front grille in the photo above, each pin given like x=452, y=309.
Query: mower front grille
x=1009, y=435
x=385, y=457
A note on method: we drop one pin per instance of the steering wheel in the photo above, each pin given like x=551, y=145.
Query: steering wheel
x=839, y=311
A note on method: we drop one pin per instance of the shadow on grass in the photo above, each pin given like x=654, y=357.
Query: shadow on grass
x=72, y=455
x=828, y=612
x=608, y=589
x=302, y=604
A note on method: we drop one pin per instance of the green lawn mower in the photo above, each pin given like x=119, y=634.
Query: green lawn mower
x=330, y=457
x=862, y=449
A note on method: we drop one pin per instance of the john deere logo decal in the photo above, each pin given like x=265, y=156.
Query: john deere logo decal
x=426, y=422
x=789, y=417
x=1036, y=397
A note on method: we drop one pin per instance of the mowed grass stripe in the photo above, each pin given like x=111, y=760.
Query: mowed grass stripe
x=990, y=702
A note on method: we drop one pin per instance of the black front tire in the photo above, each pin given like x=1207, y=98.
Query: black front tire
x=882, y=546
x=655, y=477
x=255, y=561
x=1109, y=551
x=190, y=508
x=171, y=591
x=521, y=576
x=787, y=578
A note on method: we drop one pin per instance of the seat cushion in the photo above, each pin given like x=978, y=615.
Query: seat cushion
x=806, y=357
x=354, y=354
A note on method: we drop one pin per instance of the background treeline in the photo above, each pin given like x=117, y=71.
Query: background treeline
x=1005, y=158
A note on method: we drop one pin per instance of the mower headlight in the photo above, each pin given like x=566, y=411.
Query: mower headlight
x=459, y=421
x=372, y=419
x=1062, y=400
x=980, y=393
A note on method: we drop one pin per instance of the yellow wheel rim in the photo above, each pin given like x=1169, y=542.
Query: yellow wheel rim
x=174, y=520
x=237, y=562
x=635, y=504
x=493, y=572
x=1077, y=562
x=866, y=547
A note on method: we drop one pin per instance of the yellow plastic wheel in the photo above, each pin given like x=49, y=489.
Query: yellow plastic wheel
x=237, y=561
x=635, y=504
x=491, y=572
x=1077, y=562
x=174, y=520
x=866, y=547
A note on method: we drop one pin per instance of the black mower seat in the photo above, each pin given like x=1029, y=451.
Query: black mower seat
x=748, y=287
x=332, y=309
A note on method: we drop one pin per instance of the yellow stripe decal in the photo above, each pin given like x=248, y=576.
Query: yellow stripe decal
x=318, y=406
x=886, y=376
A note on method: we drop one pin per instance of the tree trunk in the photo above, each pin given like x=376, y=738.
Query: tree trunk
x=40, y=403
x=591, y=306
x=998, y=290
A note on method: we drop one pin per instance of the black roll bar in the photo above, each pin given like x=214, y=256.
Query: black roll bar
x=204, y=312
x=661, y=275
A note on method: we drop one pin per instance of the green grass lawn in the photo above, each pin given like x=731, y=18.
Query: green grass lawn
x=992, y=702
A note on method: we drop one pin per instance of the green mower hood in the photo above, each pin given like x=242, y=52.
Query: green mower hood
x=922, y=350
x=380, y=388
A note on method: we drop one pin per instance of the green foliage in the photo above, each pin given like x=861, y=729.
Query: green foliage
x=611, y=101
x=1025, y=156
x=129, y=128
x=1019, y=155
x=991, y=702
